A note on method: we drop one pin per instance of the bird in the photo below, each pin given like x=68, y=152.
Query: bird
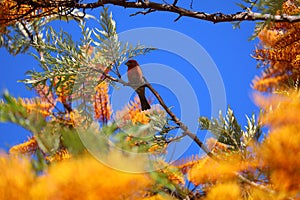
x=136, y=80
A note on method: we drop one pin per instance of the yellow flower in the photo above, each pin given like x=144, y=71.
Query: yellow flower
x=88, y=178
x=158, y=197
x=16, y=177
x=37, y=105
x=158, y=149
x=77, y=178
x=72, y=118
x=228, y=191
x=64, y=88
x=172, y=172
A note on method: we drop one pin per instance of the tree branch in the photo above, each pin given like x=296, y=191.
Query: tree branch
x=261, y=187
x=218, y=17
x=187, y=132
x=214, y=17
x=175, y=119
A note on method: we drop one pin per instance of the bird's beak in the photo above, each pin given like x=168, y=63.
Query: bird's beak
x=127, y=63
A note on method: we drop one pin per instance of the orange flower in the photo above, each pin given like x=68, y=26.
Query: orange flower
x=280, y=151
x=135, y=113
x=101, y=103
x=45, y=95
x=61, y=155
x=12, y=11
x=29, y=146
x=279, y=52
x=207, y=170
x=132, y=112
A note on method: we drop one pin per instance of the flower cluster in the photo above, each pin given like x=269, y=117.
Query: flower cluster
x=279, y=53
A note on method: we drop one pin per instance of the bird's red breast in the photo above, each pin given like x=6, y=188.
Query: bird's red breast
x=134, y=72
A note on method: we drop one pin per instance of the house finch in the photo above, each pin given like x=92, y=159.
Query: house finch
x=136, y=79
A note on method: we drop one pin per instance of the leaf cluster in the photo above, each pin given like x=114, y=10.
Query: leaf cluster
x=228, y=131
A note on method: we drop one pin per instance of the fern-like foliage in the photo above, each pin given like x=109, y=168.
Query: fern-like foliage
x=110, y=51
x=18, y=37
x=270, y=6
x=72, y=69
x=228, y=131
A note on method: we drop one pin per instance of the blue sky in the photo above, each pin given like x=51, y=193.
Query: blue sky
x=229, y=49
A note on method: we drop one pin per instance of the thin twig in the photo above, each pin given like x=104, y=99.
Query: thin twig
x=175, y=2
x=176, y=138
x=143, y=12
x=177, y=18
x=261, y=187
x=191, y=4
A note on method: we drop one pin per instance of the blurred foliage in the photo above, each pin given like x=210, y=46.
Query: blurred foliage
x=12, y=110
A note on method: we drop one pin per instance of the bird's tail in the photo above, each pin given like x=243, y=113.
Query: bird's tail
x=144, y=103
